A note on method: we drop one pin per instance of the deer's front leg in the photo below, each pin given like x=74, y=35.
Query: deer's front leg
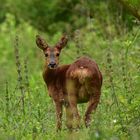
x=58, y=106
x=72, y=98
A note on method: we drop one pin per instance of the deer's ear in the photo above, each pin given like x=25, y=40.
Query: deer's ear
x=62, y=43
x=41, y=43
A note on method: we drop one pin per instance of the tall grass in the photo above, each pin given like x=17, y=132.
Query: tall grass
x=117, y=116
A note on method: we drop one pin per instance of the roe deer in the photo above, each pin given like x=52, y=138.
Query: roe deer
x=71, y=84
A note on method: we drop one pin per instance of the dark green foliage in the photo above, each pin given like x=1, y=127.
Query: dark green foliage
x=51, y=16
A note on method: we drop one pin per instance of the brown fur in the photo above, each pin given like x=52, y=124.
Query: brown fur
x=55, y=80
x=71, y=84
x=84, y=81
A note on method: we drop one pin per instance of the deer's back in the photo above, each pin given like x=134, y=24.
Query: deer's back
x=82, y=68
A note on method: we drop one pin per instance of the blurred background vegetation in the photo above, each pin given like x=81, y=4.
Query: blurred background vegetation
x=106, y=30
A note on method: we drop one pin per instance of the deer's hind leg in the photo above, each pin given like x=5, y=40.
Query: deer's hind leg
x=72, y=97
x=92, y=103
x=69, y=117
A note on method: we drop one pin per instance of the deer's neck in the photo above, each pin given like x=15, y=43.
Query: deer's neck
x=48, y=74
x=55, y=76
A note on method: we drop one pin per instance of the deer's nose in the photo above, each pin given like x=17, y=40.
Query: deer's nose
x=52, y=65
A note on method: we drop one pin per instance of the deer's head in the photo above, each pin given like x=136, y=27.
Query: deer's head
x=51, y=53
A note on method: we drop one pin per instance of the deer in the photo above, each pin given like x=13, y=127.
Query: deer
x=71, y=84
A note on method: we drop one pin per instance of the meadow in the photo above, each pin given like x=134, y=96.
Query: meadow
x=26, y=110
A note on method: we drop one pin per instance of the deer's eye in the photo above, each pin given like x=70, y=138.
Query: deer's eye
x=57, y=54
x=46, y=54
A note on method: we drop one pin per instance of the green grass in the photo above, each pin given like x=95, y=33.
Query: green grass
x=117, y=116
